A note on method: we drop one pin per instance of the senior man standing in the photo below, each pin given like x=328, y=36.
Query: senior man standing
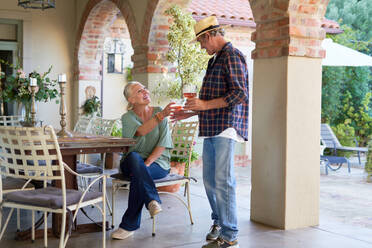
x=222, y=108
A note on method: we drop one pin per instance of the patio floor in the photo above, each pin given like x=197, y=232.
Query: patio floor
x=345, y=219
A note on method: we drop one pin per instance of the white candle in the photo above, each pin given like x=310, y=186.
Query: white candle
x=62, y=77
x=33, y=82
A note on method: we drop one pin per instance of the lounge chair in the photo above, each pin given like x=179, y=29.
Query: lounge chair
x=329, y=140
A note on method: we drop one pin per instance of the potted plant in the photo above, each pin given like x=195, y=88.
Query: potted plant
x=16, y=88
x=180, y=166
x=190, y=60
x=92, y=106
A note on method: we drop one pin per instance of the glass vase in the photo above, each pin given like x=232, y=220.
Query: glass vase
x=26, y=113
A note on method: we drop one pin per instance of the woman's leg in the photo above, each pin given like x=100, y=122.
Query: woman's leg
x=142, y=188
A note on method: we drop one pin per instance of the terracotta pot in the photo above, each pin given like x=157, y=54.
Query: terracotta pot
x=176, y=168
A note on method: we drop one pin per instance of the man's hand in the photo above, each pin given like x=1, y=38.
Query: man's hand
x=196, y=104
x=178, y=115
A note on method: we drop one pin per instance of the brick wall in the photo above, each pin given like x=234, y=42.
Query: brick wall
x=288, y=28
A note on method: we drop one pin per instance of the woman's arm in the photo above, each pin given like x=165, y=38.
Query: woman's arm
x=154, y=155
x=147, y=127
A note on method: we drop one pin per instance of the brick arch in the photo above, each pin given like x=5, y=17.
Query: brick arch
x=154, y=34
x=94, y=25
x=288, y=27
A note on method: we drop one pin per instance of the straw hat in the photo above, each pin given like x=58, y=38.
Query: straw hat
x=207, y=24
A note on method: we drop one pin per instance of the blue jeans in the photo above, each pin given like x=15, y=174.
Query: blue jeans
x=220, y=184
x=142, y=189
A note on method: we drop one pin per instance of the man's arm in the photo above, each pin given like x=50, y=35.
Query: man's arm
x=197, y=104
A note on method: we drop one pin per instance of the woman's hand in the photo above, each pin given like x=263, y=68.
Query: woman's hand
x=167, y=110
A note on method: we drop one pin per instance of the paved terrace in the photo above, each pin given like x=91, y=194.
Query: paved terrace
x=345, y=219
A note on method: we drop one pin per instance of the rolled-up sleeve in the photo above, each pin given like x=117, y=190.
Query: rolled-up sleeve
x=236, y=72
x=129, y=126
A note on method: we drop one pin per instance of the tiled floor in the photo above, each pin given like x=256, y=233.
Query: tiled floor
x=345, y=219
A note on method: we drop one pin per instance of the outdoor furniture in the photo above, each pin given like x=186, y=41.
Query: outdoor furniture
x=183, y=135
x=40, y=145
x=10, y=184
x=12, y=120
x=329, y=160
x=329, y=140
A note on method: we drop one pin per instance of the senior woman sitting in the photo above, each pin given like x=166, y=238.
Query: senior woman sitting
x=147, y=160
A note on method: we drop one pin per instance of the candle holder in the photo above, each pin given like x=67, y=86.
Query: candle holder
x=33, y=109
x=62, y=108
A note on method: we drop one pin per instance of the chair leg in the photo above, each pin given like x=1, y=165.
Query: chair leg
x=113, y=205
x=33, y=226
x=18, y=220
x=104, y=213
x=6, y=222
x=108, y=205
x=45, y=229
x=188, y=202
x=62, y=235
x=153, y=226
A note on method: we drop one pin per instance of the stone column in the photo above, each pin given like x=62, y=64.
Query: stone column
x=286, y=112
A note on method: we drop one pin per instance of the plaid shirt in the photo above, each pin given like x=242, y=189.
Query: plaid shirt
x=227, y=77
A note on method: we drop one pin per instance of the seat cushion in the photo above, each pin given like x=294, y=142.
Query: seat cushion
x=169, y=178
x=49, y=197
x=120, y=177
x=10, y=183
x=87, y=168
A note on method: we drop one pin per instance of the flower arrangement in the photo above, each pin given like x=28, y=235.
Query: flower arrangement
x=16, y=88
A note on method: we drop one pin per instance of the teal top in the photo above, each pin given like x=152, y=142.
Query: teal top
x=159, y=136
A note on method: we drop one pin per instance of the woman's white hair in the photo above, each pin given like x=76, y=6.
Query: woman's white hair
x=128, y=92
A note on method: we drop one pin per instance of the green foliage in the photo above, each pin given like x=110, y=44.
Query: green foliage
x=355, y=13
x=346, y=135
x=346, y=92
x=91, y=106
x=117, y=130
x=368, y=165
x=129, y=73
x=359, y=118
x=189, y=58
x=194, y=157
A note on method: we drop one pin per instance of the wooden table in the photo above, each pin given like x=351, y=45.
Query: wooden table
x=70, y=148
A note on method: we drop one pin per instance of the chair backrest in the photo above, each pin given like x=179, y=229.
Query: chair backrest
x=83, y=124
x=327, y=136
x=31, y=153
x=13, y=120
x=183, y=136
x=102, y=126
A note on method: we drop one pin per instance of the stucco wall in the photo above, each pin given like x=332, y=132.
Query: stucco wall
x=47, y=40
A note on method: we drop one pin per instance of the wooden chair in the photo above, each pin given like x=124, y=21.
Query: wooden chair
x=34, y=154
x=183, y=135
